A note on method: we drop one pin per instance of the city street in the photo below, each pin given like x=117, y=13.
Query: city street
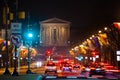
x=59, y=39
x=38, y=74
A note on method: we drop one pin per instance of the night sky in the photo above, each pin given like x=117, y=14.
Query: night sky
x=86, y=16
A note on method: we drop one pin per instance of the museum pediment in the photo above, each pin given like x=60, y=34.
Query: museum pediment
x=54, y=20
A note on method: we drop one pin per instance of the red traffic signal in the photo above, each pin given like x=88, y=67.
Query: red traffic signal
x=48, y=52
x=93, y=53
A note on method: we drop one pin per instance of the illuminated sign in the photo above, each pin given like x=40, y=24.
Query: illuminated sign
x=118, y=53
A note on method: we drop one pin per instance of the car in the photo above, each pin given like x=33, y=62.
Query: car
x=51, y=67
x=97, y=71
x=67, y=67
x=85, y=68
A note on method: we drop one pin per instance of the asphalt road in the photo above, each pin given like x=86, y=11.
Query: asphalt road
x=74, y=75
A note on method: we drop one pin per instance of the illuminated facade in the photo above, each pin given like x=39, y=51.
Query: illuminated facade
x=54, y=35
x=54, y=32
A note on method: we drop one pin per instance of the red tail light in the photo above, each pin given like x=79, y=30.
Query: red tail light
x=60, y=64
x=70, y=67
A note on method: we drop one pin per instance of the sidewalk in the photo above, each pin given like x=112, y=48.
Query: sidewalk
x=21, y=77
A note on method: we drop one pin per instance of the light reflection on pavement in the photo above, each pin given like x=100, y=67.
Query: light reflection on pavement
x=76, y=73
x=65, y=73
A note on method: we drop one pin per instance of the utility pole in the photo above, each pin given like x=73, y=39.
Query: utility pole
x=15, y=73
x=29, y=44
x=6, y=11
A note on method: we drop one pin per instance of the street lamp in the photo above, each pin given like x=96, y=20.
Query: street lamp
x=30, y=35
x=29, y=43
x=6, y=11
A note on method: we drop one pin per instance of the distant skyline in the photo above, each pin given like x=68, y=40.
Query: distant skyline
x=86, y=16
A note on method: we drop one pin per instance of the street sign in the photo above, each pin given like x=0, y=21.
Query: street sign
x=16, y=31
x=118, y=55
x=15, y=39
x=16, y=28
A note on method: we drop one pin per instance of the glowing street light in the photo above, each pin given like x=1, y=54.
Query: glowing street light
x=30, y=35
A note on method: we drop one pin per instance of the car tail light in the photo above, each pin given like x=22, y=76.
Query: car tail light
x=60, y=64
x=70, y=67
x=92, y=68
x=103, y=68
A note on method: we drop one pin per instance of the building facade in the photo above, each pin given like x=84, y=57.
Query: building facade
x=55, y=34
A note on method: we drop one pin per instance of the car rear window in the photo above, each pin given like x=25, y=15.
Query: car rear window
x=51, y=64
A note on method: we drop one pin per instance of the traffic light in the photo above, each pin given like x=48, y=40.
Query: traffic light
x=48, y=52
x=93, y=53
x=30, y=35
x=21, y=15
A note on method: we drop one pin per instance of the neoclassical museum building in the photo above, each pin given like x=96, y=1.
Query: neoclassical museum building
x=55, y=36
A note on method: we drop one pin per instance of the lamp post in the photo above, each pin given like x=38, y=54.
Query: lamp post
x=29, y=43
x=15, y=73
x=6, y=11
x=16, y=41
